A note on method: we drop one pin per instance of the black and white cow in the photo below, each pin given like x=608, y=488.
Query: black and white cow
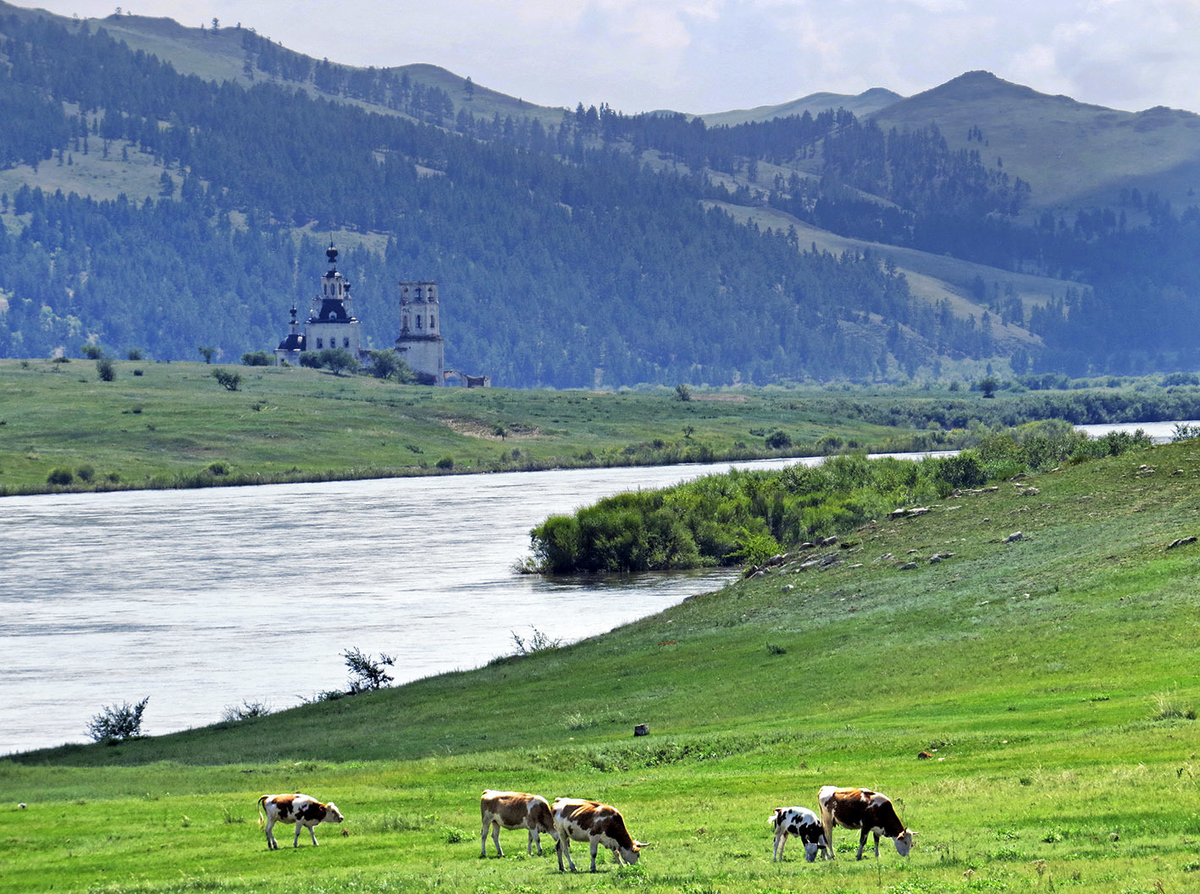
x=805, y=825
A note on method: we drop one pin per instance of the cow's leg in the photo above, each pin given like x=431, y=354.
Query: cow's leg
x=862, y=842
x=534, y=838
x=296, y=837
x=563, y=846
x=595, y=845
x=495, y=838
x=780, y=841
x=483, y=840
x=312, y=833
x=272, y=844
x=828, y=827
x=876, y=845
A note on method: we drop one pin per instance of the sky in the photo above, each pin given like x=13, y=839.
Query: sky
x=701, y=56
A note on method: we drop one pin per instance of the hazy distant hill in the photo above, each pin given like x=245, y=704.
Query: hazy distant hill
x=976, y=224
x=1072, y=154
x=863, y=104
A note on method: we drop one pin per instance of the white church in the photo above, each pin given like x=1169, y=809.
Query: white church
x=332, y=325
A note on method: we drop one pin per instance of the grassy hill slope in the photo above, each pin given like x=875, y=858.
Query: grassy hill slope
x=931, y=277
x=1072, y=154
x=219, y=56
x=1051, y=679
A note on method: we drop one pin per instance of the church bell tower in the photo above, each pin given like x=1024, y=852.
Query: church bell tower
x=420, y=344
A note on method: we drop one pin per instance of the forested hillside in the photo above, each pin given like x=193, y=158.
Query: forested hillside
x=584, y=251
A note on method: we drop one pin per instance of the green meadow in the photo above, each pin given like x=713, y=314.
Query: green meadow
x=174, y=425
x=167, y=425
x=1051, y=679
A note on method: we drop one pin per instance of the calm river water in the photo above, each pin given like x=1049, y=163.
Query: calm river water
x=202, y=600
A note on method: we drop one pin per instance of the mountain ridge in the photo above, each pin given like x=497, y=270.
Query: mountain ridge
x=979, y=170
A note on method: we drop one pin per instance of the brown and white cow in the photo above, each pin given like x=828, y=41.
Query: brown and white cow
x=300, y=809
x=595, y=823
x=805, y=825
x=514, y=810
x=863, y=809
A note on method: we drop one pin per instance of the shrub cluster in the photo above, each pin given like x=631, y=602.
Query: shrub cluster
x=116, y=723
x=337, y=360
x=744, y=516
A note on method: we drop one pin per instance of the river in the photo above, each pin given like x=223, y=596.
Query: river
x=206, y=599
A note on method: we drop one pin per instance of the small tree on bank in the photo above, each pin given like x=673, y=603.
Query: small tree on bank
x=116, y=723
x=366, y=672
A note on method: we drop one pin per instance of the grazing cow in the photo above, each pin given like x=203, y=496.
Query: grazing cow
x=596, y=824
x=805, y=825
x=300, y=809
x=514, y=810
x=863, y=809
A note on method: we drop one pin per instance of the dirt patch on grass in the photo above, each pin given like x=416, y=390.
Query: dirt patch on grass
x=493, y=432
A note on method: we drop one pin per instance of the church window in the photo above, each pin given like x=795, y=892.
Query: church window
x=319, y=344
x=345, y=342
x=432, y=322
x=418, y=321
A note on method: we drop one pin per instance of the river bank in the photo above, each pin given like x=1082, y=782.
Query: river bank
x=172, y=425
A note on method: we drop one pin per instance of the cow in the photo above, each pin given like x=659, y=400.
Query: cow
x=300, y=809
x=863, y=809
x=805, y=825
x=514, y=810
x=595, y=823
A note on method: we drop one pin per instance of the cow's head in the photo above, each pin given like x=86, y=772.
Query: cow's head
x=333, y=815
x=630, y=854
x=904, y=842
x=810, y=850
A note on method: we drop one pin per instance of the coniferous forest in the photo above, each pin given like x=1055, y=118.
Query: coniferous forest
x=565, y=257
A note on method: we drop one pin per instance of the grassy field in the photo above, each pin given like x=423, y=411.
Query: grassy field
x=170, y=424
x=1051, y=677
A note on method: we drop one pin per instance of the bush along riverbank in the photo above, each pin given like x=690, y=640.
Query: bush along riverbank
x=746, y=517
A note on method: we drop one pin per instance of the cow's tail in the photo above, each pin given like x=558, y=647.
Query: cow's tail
x=262, y=815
